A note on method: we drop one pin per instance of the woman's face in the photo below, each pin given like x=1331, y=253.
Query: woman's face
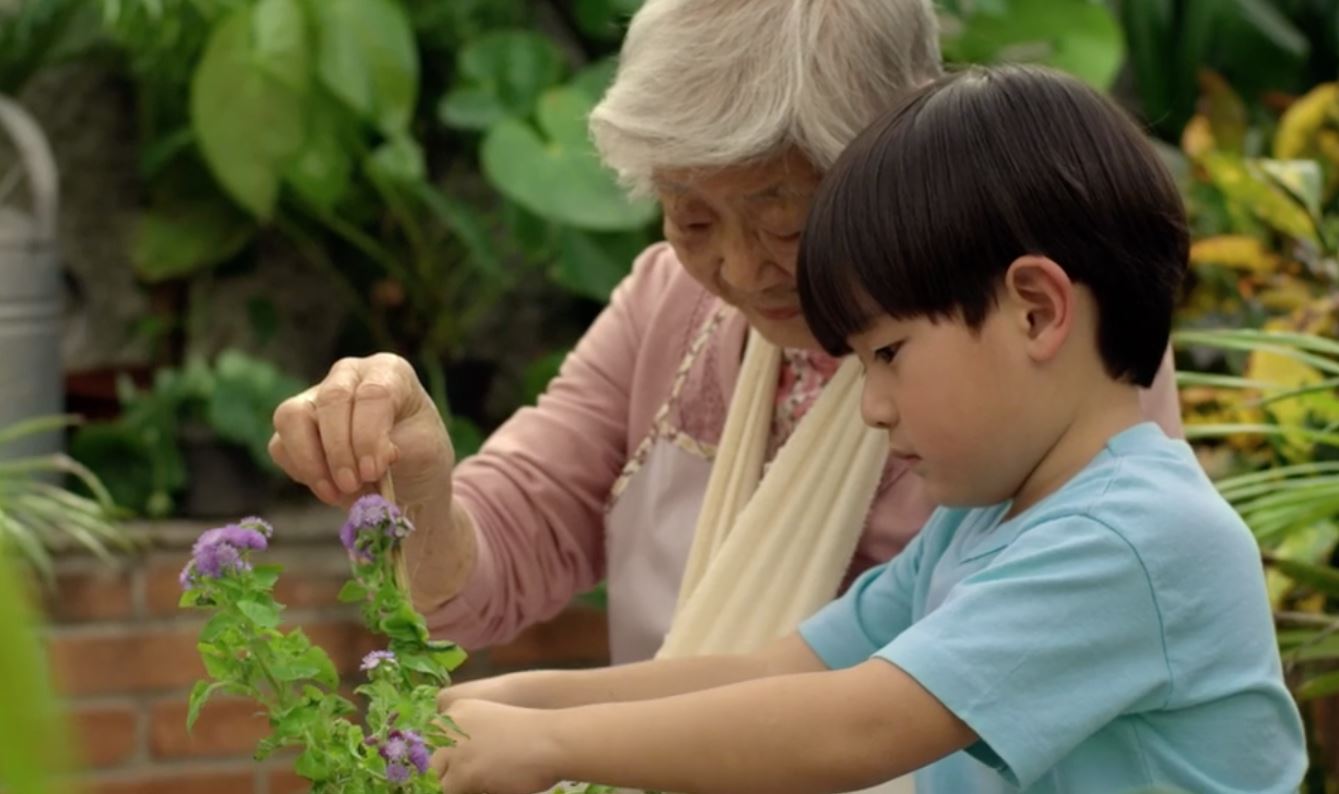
x=737, y=231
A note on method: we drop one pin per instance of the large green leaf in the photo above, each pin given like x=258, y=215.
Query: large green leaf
x=1079, y=36
x=558, y=176
x=30, y=729
x=369, y=59
x=322, y=171
x=188, y=235
x=247, y=100
x=591, y=264
x=501, y=75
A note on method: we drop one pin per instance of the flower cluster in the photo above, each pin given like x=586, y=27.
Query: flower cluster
x=246, y=653
x=372, y=522
x=221, y=551
x=403, y=751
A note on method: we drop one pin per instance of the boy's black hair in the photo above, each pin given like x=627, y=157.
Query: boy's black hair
x=927, y=208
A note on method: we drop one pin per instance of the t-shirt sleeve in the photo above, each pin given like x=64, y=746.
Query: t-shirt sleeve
x=874, y=610
x=1043, y=647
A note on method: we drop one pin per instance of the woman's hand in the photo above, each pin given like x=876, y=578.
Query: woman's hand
x=500, y=750
x=368, y=415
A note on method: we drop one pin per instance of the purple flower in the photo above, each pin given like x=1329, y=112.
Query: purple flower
x=219, y=551
x=418, y=755
x=258, y=524
x=397, y=772
x=233, y=535
x=368, y=515
x=374, y=660
x=395, y=748
x=218, y=559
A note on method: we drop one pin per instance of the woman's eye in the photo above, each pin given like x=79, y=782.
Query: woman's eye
x=789, y=237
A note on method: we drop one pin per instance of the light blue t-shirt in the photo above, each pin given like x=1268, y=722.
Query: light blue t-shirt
x=1114, y=637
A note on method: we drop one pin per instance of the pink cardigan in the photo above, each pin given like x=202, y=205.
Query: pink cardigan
x=545, y=489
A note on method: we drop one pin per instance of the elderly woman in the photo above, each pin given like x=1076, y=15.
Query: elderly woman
x=697, y=451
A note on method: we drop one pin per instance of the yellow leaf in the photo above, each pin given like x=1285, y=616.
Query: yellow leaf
x=1300, y=123
x=1264, y=200
x=1226, y=111
x=1197, y=137
x=1235, y=251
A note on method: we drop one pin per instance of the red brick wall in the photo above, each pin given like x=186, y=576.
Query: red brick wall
x=124, y=660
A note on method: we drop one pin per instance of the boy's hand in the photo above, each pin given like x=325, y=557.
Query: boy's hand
x=500, y=750
x=510, y=690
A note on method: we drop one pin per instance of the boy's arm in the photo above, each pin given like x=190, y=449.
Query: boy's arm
x=657, y=678
x=810, y=732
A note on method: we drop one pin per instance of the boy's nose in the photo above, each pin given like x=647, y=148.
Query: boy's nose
x=877, y=409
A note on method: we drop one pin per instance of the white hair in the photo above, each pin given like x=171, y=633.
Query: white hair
x=713, y=83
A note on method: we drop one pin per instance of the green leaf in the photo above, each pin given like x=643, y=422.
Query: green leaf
x=559, y=176
x=325, y=668
x=265, y=616
x=322, y=172
x=1078, y=36
x=449, y=660
x=399, y=160
x=1302, y=179
x=215, y=628
x=352, y=592
x=266, y=575
x=247, y=101
x=1319, y=687
x=502, y=75
x=595, y=78
x=217, y=663
x=1319, y=578
x=592, y=264
x=369, y=59
x=312, y=765
x=199, y=695
x=187, y=236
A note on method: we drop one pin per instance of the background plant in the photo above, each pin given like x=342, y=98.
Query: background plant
x=37, y=512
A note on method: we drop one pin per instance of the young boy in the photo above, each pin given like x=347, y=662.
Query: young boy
x=1084, y=614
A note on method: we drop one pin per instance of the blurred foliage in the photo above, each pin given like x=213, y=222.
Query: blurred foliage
x=1261, y=401
x=1082, y=37
x=1268, y=49
x=139, y=455
x=33, y=746
x=37, y=512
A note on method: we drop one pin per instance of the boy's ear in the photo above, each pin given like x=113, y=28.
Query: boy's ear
x=1041, y=298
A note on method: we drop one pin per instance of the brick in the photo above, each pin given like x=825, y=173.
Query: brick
x=577, y=637
x=106, y=735
x=91, y=594
x=162, y=584
x=130, y=660
x=226, y=727
x=224, y=780
x=159, y=659
x=310, y=580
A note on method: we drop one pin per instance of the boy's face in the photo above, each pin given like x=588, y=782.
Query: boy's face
x=949, y=399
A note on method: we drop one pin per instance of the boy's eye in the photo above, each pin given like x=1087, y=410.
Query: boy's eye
x=886, y=354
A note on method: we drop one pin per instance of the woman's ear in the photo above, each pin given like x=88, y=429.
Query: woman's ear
x=1041, y=298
